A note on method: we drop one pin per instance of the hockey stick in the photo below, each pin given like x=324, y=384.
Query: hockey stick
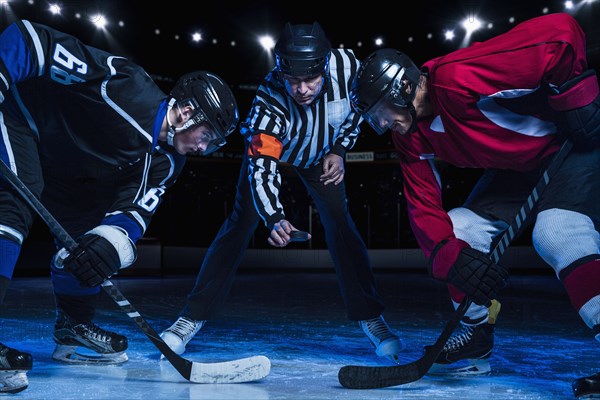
x=234, y=371
x=369, y=377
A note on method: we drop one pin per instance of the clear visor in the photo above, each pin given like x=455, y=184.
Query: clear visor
x=383, y=114
x=210, y=140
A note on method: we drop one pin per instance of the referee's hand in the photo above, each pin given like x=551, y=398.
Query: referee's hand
x=333, y=169
x=284, y=232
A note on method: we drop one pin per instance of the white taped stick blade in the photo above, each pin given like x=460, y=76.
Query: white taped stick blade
x=235, y=371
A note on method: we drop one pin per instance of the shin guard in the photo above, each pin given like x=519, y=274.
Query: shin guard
x=582, y=282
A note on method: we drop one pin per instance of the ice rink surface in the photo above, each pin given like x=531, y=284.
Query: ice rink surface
x=297, y=320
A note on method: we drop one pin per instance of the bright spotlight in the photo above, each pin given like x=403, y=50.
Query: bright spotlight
x=471, y=24
x=99, y=21
x=54, y=9
x=267, y=42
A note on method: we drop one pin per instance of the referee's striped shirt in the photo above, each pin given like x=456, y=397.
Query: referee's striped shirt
x=279, y=129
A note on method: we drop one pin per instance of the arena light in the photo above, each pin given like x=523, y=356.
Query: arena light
x=470, y=25
x=99, y=21
x=54, y=9
x=267, y=42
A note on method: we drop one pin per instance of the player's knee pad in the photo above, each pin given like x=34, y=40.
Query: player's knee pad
x=582, y=282
x=562, y=237
x=475, y=229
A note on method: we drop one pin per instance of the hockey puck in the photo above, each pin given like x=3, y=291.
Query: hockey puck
x=298, y=236
x=587, y=387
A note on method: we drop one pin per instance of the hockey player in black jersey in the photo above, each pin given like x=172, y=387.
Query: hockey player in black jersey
x=300, y=115
x=93, y=136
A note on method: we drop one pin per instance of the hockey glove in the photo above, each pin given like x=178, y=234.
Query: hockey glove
x=470, y=270
x=577, y=103
x=100, y=253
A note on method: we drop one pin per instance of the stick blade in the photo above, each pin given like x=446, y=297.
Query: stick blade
x=366, y=377
x=235, y=371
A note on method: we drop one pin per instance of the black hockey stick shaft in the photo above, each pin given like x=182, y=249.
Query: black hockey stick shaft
x=183, y=366
x=367, y=377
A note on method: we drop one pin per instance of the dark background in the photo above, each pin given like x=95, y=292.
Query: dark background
x=158, y=38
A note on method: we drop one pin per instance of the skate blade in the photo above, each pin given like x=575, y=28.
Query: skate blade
x=13, y=381
x=71, y=355
x=390, y=349
x=475, y=367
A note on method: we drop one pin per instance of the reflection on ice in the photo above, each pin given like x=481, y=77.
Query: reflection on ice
x=298, y=321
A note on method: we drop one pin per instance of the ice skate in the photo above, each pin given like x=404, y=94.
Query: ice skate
x=587, y=387
x=386, y=343
x=86, y=343
x=178, y=335
x=473, y=344
x=13, y=370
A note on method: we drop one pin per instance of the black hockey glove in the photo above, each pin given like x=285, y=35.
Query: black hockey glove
x=470, y=270
x=477, y=276
x=93, y=261
x=577, y=106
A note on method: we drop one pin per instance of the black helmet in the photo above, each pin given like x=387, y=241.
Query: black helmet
x=212, y=102
x=303, y=50
x=388, y=77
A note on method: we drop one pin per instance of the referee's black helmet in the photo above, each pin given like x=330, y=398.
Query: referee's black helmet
x=303, y=50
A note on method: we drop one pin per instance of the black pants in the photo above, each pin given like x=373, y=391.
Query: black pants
x=76, y=192
x=346, y=247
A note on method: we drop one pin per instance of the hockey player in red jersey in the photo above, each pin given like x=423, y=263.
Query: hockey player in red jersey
x=504, y=105
x=100, y=142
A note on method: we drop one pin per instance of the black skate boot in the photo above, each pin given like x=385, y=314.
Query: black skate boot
x=473, y=343
x=587, y=387
x=13, y=370
x=108, y=347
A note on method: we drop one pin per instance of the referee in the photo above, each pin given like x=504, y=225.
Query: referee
x=301, y=115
